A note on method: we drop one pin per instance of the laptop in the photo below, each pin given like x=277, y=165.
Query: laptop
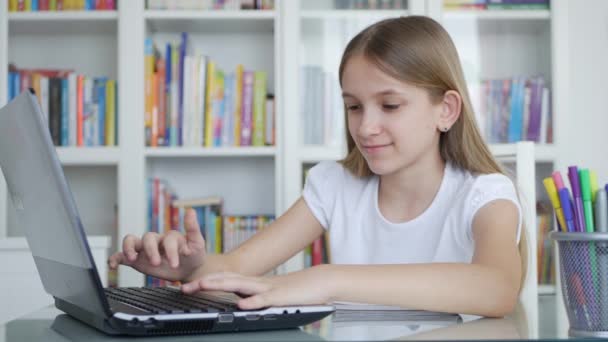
x=46, y=210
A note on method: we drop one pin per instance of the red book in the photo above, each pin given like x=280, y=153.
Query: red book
x=317, y=252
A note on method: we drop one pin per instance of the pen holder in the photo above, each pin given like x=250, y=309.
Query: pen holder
x=583, y=263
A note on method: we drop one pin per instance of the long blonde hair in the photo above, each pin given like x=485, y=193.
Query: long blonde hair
x=419, y=51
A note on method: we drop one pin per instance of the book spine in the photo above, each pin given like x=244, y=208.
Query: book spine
x=246, y=112
x=148, y=73
x=161, y=70
x=111, y=113
x=209, y=95
x=259, y=107
x=101, y=105
x=238, y=100
x=65, y=115
x=55, y=110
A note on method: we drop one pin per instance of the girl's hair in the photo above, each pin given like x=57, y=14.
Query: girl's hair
x=419, y=51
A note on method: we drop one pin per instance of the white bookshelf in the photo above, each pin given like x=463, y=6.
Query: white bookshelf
x=280, y=41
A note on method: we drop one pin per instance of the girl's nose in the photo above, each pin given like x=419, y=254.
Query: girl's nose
x=370, y=124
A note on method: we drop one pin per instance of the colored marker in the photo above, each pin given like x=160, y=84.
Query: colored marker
x=594, y=186
x=601, y=211
x=580, y=297
x=579, y=212
x=555, y=201
x=585, y=182
x=564, y=197
x=557, y=178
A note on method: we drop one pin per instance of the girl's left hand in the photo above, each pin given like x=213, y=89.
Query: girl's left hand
x=310, y=286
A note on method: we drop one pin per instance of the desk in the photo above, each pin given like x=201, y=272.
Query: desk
x=50, y=324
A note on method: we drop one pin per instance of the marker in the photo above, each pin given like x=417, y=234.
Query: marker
x=564, y=197
x=557, y=178
x=601, y=211
x=579, y=212
x=554, y=198
x=585, y=182
x=580, y=296
x=601, y=226
x=594, y=186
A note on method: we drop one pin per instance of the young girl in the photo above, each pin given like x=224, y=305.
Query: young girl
x=419, y=214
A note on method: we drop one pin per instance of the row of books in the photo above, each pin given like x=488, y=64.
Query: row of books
x=210, y=4
x=190, y=101
x=322, y=108
x=222, y=232
x=516, y=109
x=80, y=110
x=546, y=264
x=60, y=5
x=370, y=4
x=496, y=4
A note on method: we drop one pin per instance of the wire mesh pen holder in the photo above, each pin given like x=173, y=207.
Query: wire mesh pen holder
x=583, y=263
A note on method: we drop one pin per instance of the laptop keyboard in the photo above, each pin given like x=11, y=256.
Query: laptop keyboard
x=167, y=300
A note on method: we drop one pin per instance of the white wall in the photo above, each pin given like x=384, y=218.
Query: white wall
x=585, y=136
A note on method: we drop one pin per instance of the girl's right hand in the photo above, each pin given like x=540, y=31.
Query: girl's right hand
x=172, y=256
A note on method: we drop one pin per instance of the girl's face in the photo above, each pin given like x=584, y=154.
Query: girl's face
x=393, y=123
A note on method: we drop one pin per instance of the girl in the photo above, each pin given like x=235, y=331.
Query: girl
x=419, y=214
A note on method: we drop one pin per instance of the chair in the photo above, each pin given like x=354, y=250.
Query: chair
x=522, y=154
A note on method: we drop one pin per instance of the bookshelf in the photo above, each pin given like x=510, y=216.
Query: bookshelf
x=252, y=180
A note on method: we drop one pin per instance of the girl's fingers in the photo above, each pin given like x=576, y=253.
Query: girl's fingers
x=229, y=283
x=150, y=244
x=256, y=302
x=171, y=244
x=131, y=246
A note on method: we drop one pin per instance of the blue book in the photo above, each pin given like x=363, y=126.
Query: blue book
x=168, y=74
x=516, y=120
x=180, y=112
x=65, y=115
x=100, y=89
x=34, y=5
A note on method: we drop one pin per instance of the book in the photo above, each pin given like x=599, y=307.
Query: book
x=350, y=311
x=197, y=202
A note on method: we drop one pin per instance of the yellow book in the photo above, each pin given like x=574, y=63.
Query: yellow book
x=12, y=5
x=259, y=108
x=218, y=234
x=110, y=113
x=238, y=100
x=36, y=86
x=210, y=91
x=148, y=74
x=27, y=5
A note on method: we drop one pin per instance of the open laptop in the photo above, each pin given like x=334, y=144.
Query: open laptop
x=46, y=210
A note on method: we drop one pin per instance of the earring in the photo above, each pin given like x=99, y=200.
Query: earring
x=445, y=129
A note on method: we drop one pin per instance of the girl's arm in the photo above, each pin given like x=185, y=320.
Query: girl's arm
x=489, y=286
x=270, y=247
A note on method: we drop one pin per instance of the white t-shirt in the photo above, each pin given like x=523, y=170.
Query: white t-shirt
x=347, y=206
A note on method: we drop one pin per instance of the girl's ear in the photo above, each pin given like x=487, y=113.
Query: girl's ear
x=451, y=107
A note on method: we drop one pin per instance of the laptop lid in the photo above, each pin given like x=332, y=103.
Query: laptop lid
x=45, y=208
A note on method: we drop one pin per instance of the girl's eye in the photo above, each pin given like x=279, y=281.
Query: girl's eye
x=390, y=106
x=351, y=108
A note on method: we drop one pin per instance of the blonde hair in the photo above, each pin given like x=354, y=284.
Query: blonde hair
x=419, y=51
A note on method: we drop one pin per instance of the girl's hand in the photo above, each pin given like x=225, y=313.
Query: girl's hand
x=310, y=286
x=171, y=256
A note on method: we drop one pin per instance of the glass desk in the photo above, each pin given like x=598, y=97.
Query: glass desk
x=50, y=324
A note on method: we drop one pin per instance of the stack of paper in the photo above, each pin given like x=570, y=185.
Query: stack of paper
x=347, y=311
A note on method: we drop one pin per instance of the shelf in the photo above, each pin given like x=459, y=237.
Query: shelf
x=314, y=154
x=180, y=152
x=88, y=156
x=63, y=22
x=352, y=14
x=499, y=14
x=544, y=289
x=211, y=21
x=543, y=152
